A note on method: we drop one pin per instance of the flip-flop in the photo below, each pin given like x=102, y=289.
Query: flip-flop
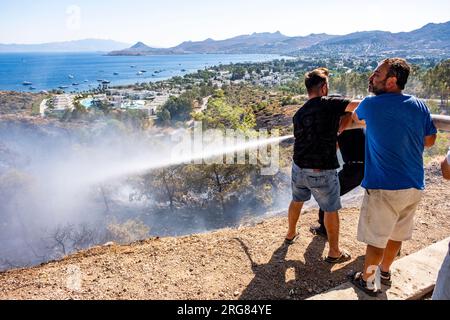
x=345, y=256
x=291, y=241
x=318, y=231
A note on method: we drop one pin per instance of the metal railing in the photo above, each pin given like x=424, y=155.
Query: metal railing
x=441, y=122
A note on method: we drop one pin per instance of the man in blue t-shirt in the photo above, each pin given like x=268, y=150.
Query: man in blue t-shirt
x=399, y=127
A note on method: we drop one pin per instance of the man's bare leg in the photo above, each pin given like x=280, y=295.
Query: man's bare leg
x=294, y=214
x=373, y=259
x=390, y=253
x=332, y=226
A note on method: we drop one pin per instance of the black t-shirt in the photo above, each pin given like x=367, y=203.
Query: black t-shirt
x=315, y=129
x=352, y=144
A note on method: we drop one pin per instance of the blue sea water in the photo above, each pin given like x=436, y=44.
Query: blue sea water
x=48, y=71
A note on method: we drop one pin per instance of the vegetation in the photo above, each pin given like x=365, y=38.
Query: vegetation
x=436, y=82
x=180, y=108
x=439, y=149
x=220, y=114
x=221, y=195
x=20, y=103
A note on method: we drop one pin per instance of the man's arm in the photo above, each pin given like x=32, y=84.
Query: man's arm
x=348, y=121
x=357, y=123
x=352, y=106
x=429, y=141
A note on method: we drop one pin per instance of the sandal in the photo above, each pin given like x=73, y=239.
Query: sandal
x=319, y=231
x=345, y=256
x=358, y=281
x=386, y=278
x=291, y=241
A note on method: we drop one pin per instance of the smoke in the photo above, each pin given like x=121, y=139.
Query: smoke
x=41, y=188
x=61, y=188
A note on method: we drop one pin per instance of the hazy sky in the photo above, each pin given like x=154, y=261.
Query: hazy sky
x=169, y=22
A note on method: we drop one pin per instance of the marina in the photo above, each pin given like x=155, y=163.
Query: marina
x=61, y=70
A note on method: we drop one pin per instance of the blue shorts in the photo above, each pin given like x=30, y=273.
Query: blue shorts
x=324, y=186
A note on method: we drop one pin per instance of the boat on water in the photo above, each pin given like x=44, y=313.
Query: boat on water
x=71, y=76
x=63, y=87
x=139, y=73
x=32, y=88
x=106, y=82
x=132, y=66
x=143, y=71
x=86, y=80
x=75, y=84
x=27, y=83
x=183, y=70
x=116, y=73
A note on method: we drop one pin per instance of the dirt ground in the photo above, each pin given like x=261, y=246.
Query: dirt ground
x=246, y=263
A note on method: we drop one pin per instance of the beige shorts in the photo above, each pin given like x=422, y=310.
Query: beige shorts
x=388, y=215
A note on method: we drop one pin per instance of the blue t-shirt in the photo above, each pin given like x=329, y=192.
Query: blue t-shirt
x=396, y=127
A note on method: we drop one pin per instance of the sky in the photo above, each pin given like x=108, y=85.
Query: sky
x=169, y=22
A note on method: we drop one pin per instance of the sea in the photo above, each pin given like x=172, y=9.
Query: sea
x=34, y=72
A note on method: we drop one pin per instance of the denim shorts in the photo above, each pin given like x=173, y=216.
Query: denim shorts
x=323, y=186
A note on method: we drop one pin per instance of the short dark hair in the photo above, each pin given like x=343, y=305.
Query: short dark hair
x=316, y=79
x=400, y=69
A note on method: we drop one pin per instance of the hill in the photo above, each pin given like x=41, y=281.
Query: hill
x=430, y=40
x=250, y=262
x=86, y=45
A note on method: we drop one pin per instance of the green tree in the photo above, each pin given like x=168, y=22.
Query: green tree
x=221, y=115
x=176, y=109
x=238, y=73
x=437, y=81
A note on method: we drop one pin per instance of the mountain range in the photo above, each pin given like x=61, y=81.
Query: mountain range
x=87, y=45
x=432, y=39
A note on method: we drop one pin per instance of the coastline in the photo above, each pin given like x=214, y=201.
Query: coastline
x=75, y=72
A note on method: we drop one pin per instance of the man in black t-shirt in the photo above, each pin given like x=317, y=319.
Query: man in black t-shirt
x=314, y=171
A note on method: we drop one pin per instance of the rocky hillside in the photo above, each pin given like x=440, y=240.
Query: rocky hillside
x=19, y=103
x=250, y=262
